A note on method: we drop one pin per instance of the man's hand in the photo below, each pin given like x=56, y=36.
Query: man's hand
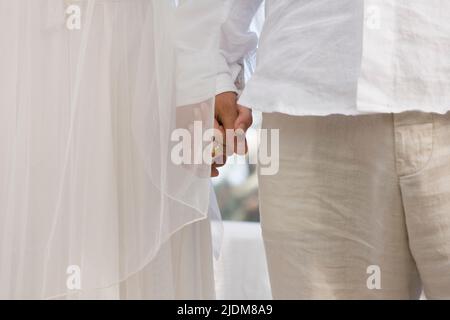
x=226, y=114
x=230, y=116
x=241, y=125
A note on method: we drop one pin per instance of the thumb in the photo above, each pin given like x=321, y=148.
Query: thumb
x=228, y=120
x=244, y=119
x=241, y=125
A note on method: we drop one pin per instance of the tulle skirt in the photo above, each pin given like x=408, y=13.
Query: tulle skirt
x=89, y=196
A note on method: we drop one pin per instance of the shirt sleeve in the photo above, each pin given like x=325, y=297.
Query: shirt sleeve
x=196, y=30
x=236, y=41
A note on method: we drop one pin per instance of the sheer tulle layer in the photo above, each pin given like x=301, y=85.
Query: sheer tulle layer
x=86, y=116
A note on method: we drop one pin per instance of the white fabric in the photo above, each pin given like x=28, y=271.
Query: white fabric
x=197, y=40
x=86, y=116
x=406, y=63
x=182, y=269
x=241, y=271
x=309, y=56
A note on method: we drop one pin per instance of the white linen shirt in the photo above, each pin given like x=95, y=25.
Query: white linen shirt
x=321, y=57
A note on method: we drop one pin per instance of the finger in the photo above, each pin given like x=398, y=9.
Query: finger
x=242, y=123
x=220, y=160
x=228, y=120
x=244, y=119
x=219, y=133
x=226, y=113
x=214, y=171
x=241, y=146
x=218, y=146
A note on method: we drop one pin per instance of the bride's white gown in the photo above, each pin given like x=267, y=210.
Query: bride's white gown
x=86, y=178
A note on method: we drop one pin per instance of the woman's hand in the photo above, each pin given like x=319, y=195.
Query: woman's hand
x=232, y=120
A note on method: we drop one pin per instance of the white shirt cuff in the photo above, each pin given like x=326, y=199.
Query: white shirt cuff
x=225, y=83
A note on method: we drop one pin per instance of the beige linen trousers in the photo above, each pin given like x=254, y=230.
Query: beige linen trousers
x=360, y=207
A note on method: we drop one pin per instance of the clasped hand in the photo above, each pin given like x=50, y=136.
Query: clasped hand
x=232, y=122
